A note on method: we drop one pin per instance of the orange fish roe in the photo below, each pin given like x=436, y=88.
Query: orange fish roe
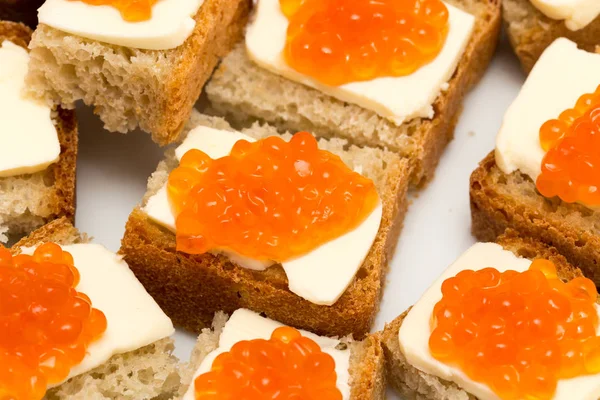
x=45, y=324
x=268, y=200
x=287, y=366
x=341, y=41
x=131, y=10
x=518, y=333
x=571, y=166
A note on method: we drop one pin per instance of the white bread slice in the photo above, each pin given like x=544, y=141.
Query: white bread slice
x=367, y=377
x=244, y=92
x=413, y=384
x=151, y=372
x=29, y=201
x=152, y=89
x=192, y=288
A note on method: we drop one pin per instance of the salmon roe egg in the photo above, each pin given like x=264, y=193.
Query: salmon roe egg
x=571, y=166
x=517, y=332
x=340, y=41
x=267, y=200
x=287, y=366
x=45, y=324
x=131, y=10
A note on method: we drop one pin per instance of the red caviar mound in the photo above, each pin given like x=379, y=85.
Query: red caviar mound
x=287, y=366
x=341, y=41
x=131, y=10
x=45, y=324
x=267, y=200
x=571, y=166
x=517, y=332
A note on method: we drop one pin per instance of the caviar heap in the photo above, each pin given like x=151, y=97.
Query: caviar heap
x=287, y=366
x=518, y=333
x=267, y=200
x=341, y=41
x=131, y=10
x=571, y=166
x=45, y=324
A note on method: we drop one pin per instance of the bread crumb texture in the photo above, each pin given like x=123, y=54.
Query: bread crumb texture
x=413, y=384
x=245, y=93
x=500, y=201
x=530, y=31
x=152, y=89
x=28, y=201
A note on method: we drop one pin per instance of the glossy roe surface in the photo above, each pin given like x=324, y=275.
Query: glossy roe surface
x=268, y=200
x=45, y=324
x=287, y=366
x=518, y=333
x=571, y=166
x=342, y=41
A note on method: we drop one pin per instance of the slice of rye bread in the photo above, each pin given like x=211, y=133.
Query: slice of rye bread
x=244, y=92
x=500, y=201
x=29, y=201
x=413, y=384
x=530, y=31
x=153, y=89
x=150, y=372
x=367, y=375
x=191, y=288
x=24, y=11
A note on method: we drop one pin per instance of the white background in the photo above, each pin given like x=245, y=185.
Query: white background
x=112, y=170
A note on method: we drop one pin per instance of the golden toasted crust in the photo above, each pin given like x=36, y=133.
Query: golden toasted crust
x=367, y=369
x=62, y=173
x=530, y=31
x=413, y=384
x=191, y=288
x=245, y=92
x=59, y=231
x=500, y=201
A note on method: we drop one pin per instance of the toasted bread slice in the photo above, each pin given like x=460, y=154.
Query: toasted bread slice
x=151, y=372
x=152, y=89
x=413, y=384
x=530, y=31
x=244, y=92
x=29, y=201
x=367, y=377
x=191, y=288
x=500, y=201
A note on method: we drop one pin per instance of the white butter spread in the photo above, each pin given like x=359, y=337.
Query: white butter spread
x=561, y=75
x=307, y=276
x=134, y=320
x=172, y=22
x=577, y=14
x=29, y=138
x=415, y=330
x=247, y=325
x=398, y=99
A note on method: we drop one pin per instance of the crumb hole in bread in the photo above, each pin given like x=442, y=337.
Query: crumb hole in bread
x=342, y=346
x=476, y=185
x=362, y=273
x=580, y=242
x=49, y=177
x=145, y=375
x=502, y=179
x=525, y=253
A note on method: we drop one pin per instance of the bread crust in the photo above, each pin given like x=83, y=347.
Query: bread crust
x=367, y=375
x=500, y=201
x=530, y=32
x=421, y=140
x=151, y=372
x=191, y=288
x=414, y=384
x=62, y=173
x=163, y=106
